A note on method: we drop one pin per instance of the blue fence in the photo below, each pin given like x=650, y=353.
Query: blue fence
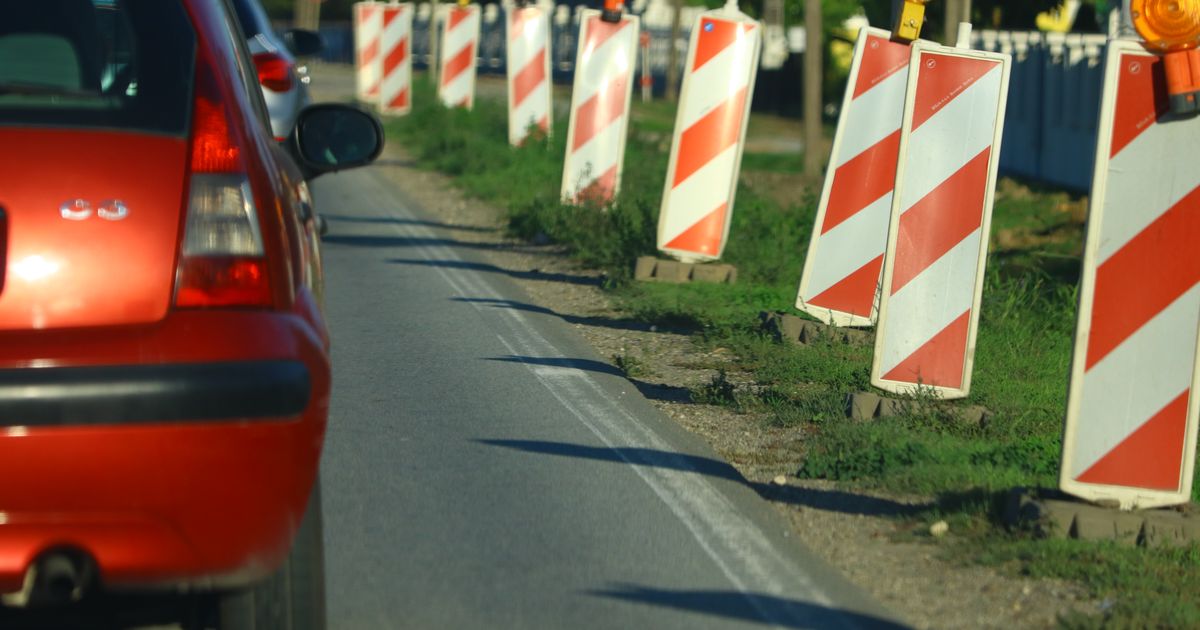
x=1053, y=104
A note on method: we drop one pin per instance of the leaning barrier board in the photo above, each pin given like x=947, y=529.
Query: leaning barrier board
x=460, y=41
x=368, y=26
x=1130, y=431
x=528, y=72
x=840, y=283
x=941, y=214
x=710, y=132
x=600, y=103
x=395, y=91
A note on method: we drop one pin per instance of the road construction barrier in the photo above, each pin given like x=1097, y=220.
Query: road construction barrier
x=395, y=91
x=941, y=212
x=600, y=108
x=368, y=26
x=840, y=283
x=1130, y=433
x=710, y=132
x=528, y=72
x=460, y=41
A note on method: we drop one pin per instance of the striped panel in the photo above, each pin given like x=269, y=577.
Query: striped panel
x=528, y=72
x=706, y=150
x=840, y=283
x=460, y=41
x=1129, y=423
x=368, y=27
x=599, y=105
x=395, y=89
x=940, y=214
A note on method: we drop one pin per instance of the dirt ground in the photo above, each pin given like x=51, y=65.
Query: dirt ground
x=856, y=532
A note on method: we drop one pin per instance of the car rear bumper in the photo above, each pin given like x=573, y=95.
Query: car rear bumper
x=184, y=474
x=153, y=393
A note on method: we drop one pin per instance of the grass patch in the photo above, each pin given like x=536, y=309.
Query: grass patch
x=1021, y=367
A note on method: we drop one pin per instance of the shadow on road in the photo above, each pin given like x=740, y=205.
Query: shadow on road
x=398, y=221
x=634, y=456
x=652, y=391
x=532, y=274
x=828, y=500
x=373, y=240
x=605, y=322
x=101, y=611
x=752, y=607
x=586, y=365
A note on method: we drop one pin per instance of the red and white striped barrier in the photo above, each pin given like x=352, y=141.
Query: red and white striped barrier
x=395, y=92
x=1131, y=413
x=941, y=214
x=600, y=107
x=459, y=47
x=368, y=26
x=840, y=283
x=710, y=132
x=528, y=72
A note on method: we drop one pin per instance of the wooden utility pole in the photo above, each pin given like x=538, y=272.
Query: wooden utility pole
x=956, y=11
x=306, y=14
x=673, y=51
x=814, y=44
x=950, y=28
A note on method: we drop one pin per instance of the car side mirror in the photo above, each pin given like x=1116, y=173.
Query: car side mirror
x=332, y=137
x=303, y=43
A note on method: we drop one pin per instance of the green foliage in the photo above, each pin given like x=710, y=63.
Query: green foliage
x=629, y=365
x=1138, y=588
x=718, y=391
x=902, y=455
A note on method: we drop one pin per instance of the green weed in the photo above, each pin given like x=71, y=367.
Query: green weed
x=630, y=366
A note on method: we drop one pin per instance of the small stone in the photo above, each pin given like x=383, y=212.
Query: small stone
x=939, y=529
x=780, y=480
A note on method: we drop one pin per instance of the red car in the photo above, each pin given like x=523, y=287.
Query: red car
x=164, y=362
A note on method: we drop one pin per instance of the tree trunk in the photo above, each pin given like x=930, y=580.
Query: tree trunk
x=307, y=14
x=673, y=52
x=952, y=8
x=813, y=141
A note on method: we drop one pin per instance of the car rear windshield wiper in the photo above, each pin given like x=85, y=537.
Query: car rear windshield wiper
x=38, y=89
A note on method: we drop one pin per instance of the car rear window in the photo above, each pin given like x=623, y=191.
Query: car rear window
x=251, y=17
x=123, y=64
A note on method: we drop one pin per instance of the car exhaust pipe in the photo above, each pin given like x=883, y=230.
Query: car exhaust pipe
x=59, y=580
x=55, y=578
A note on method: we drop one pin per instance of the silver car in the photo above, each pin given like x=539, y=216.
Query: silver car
x=284, y=81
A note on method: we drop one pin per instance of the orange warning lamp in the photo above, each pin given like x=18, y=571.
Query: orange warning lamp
x=612, y=11
x=912, y=17
x=1173, y=27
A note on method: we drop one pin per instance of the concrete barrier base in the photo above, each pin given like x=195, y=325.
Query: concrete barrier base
x=651, y=269
x=802, y=331
x=1053, y=514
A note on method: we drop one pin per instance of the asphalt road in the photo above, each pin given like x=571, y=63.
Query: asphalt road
x=483, y=468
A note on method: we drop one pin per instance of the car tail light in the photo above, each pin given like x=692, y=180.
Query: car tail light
x=274, y=71
x=222, y=261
